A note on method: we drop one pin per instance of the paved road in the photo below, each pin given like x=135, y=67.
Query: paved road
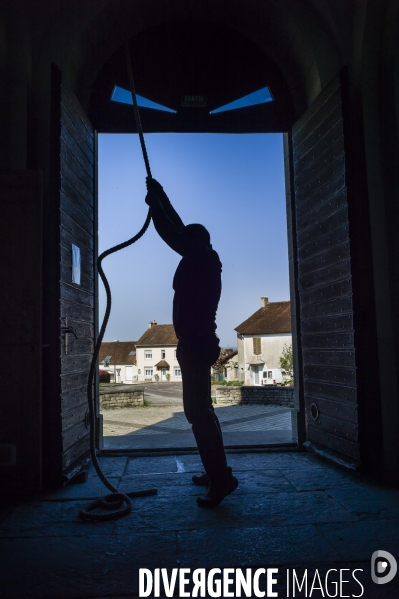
x=164, y=415
x=171, y=419
x=163, y=393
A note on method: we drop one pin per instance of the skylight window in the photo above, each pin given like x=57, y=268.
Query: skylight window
x=125, y=97
x=259, y=97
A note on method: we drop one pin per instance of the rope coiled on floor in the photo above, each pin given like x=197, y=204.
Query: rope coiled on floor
x=116, y=503
x=116, y=500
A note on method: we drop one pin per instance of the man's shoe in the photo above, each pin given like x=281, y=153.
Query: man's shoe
x=217, y=492
x=201, y=480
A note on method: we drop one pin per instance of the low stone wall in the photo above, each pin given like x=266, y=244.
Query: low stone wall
x=266, y=394
x=121, y=398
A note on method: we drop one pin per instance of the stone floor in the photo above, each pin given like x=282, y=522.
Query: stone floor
x=292, y=511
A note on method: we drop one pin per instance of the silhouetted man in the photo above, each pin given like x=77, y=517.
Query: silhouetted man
x=197, y=286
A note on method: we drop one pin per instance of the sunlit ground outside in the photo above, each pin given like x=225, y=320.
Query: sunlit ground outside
x=161, y=420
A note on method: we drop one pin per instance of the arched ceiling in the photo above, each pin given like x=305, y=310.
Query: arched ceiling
x=192, y=58
x=299, y=37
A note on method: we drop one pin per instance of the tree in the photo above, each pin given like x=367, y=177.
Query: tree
x=104, y=376
x=286, y=359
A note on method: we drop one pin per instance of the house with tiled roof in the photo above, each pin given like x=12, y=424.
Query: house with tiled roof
x=119, y=359
x=226, y=366
x=156, y=354
x=260, y=340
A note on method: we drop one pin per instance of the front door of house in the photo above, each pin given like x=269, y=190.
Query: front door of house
x=164, y=374
x=256, y=371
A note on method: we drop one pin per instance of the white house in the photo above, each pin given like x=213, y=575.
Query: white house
x=119, y=359
x=156, y=354
x=261, y=338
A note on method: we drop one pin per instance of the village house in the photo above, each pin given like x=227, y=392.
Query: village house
x=118, y=358
x=156, y=354
x=260, y=340
x=226, y=367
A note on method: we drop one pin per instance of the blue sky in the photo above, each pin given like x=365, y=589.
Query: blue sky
x=232, y=184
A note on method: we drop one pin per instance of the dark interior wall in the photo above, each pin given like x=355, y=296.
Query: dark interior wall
x=376, y=95
x=388, y=102
x=308, y=41
x=20, y=321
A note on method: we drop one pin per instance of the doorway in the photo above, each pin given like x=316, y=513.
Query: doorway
x=222, y=181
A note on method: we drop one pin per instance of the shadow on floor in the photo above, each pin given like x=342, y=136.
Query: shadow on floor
x=150, y=429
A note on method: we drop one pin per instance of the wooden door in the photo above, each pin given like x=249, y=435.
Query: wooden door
x=323, y=256
x=74, y=145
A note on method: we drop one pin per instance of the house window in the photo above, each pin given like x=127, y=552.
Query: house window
x=175, y=354
x=177, y=372
x=163, y=354
x=256, y=342
x=148, y=372
x=148, y=354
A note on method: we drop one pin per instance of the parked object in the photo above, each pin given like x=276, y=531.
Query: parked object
x=274, y=376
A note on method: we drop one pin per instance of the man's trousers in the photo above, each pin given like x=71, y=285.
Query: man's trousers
x=196, y=355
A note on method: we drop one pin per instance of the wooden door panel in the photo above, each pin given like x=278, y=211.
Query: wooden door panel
x=77, y=301
x=325, y=277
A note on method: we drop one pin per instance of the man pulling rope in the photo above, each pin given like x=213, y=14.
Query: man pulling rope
x=197, y=286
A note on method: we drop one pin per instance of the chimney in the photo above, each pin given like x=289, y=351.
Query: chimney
x=264, y=301
x=152, y=323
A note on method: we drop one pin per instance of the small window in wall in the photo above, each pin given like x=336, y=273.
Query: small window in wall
x=175, y=354
x=261, y=96
x=148, y=354
x=124, y=96
x=177, y=372
x=163, y=354
x=256, y=344
x=75, y=264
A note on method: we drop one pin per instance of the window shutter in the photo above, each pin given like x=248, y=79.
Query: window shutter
x=256, y=342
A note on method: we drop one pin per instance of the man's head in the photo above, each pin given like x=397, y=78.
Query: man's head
x=197, y=232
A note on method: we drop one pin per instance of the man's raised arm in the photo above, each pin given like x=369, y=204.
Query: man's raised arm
x=167, y=222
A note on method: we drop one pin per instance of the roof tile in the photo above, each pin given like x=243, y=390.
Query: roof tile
x=119, y=351
x=159, y=334
x=273, y=319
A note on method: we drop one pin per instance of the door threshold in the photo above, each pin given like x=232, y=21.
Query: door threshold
x=160, y=451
